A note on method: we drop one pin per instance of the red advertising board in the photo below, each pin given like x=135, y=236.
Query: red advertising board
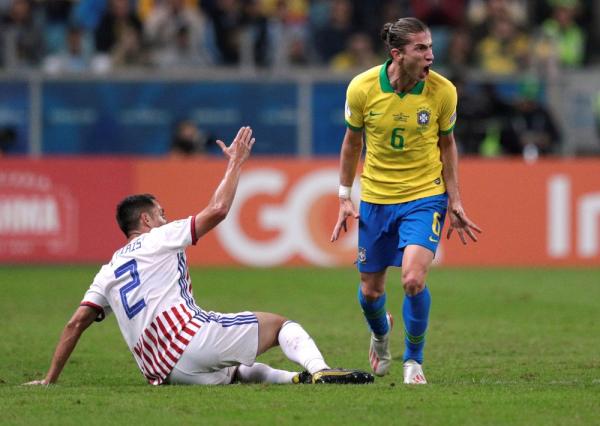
x=283, y=212
x=62, y=210
x=544, y=213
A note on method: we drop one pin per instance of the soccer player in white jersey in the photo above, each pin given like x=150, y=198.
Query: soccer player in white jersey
x=147, y=286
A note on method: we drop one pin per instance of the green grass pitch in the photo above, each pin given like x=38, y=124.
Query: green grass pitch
x=505, y=346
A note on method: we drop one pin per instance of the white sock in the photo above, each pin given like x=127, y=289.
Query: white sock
x=299, y=347
x=262, y=373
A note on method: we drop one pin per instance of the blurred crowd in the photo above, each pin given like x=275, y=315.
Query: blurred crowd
x=495, y=37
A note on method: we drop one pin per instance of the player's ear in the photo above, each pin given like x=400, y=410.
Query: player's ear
x=145, y=219
x=395, y=53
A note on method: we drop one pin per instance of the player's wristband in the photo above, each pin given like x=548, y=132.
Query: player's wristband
x=344, y=192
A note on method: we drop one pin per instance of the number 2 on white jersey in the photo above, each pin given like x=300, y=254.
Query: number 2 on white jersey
x=131, y=267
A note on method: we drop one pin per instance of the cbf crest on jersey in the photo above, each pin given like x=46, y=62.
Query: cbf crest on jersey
x=362, y=255
x=423, y=116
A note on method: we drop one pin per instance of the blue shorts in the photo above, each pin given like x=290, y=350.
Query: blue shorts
x=384, y=230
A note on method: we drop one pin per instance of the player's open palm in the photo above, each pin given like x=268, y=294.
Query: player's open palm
x=462, y=224
x=240, y=148
x=347, y=210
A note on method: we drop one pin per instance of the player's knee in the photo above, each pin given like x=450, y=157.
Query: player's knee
x=371, y=292
x=278, y=320
x=372, y=286
x=413, y=282
x=269, y=327
x=270, y=320
x=281, y=320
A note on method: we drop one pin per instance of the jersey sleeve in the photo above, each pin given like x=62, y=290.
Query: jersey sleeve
x=176, y=235
x=96, y=299
x=354, y=108
x=447, y=118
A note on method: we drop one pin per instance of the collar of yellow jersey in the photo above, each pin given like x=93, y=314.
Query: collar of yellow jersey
x=386, y=86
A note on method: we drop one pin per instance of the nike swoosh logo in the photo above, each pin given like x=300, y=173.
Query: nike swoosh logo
x=433, y=240
x=375, y=113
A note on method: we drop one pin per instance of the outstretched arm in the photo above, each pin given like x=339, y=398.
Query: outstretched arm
x=220, y=203
x=458, y=217
x=349, y=157
x=81, y=320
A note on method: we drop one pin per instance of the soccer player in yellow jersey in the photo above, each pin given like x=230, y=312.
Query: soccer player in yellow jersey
x=406, y=113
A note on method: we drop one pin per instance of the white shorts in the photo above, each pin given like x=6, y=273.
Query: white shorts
x=222, y=343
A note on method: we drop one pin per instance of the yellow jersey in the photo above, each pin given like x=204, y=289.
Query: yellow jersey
x=401, y=130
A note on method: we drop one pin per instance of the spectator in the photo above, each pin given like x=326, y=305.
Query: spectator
x=565, y=34
x=319, y=13
x=472, y=110
x=533, y=124
x=505, y=50
x=144, y=8
x=255, y=35
x=57, y=14
x=295, y=11
x=484, y=126
x=331, y=39
x=358, y=55
x=88, y=13
x=441, y=16
x=188, y=140
x=22, y=37
x=73, y=58
x=298, y=52
x=370, y=15
x=117, y=19
x=483, y=14
x=391, y=10
x=118, y=39
x=179, y=54
x=460, y=52
x=163, y=27
x=498, y=128
x=444, y=13
x=8, y=138
x=287, y=36
x=226, y=17
x=129, y=51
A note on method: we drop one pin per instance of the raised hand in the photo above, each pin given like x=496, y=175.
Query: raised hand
x=240, y=148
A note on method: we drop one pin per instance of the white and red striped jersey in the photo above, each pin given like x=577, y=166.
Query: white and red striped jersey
x=148, y=288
